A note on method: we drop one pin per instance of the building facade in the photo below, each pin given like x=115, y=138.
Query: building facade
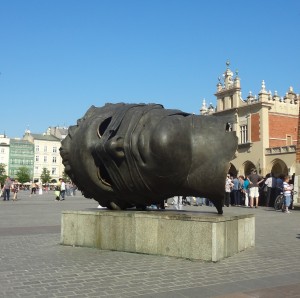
x=21, y=154
x=266, y=126
x=4, y=152
x=46, y=155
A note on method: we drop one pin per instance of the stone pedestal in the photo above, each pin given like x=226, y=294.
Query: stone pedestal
x=192, y=235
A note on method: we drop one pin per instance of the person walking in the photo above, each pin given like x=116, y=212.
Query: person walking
x=6, y=189
x=62, y=189
x=255, y=180
x=246, y=190
x=279, y=185
x=287, y=194
x=270, y=183
x=33, y=188
x=236, y=191
x=177, y=202
x=15, y=190
x=57, y=191
x=228, y=187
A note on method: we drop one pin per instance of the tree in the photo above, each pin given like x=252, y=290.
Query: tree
x=2, y=173
x=23, y=174
x=66, y=177
x=45, y=176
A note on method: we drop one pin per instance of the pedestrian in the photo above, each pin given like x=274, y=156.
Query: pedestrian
x=287, y=193
x=236, y=191
x=228, y=187
x=6, y=189
x=291, y=182
x=246, y=190
x=241, y=189
x=57, y=191
x=255, y=180
x=62, y=189
x=177, y=202
x=166, y=203
x=33, y=188
x=279, y=185
x=270, y=183
x=15, y=190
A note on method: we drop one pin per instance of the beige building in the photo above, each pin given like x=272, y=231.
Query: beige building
x=46, y=155
x=4, y=151
x=266, y=126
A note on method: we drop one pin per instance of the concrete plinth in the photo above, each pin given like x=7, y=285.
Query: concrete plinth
x=191, y=235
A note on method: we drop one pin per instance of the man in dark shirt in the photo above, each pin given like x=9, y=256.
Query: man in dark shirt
x=254, y=179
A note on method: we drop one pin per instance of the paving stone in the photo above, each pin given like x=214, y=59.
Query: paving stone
x=34, y=264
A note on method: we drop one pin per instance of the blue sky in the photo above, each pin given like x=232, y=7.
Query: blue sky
x=59, y=57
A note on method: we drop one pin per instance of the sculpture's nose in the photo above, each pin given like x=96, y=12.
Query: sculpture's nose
x=115, y=147
x=112, y=148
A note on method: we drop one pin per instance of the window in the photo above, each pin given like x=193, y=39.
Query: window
x=54, y=159
x=37, y=148
x=289, y=140
x=54, y=149
x=53, y=172
x=45, y=148
x=37, y=158
x=45, y=158
x=244, y=134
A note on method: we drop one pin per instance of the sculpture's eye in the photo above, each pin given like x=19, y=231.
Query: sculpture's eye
x=103, y=126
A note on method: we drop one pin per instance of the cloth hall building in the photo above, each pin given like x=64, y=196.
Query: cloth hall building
x=266, y=126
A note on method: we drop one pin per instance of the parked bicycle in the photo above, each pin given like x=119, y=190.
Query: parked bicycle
x=280, y=200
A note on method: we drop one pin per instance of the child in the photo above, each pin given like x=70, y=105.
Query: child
x=287, y=191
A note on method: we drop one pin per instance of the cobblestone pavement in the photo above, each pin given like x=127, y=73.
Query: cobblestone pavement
x=34, y=264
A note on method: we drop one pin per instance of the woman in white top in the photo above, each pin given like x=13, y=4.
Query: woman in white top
x=287, y=193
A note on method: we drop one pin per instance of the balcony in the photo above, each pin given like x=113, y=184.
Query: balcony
x=280, y=150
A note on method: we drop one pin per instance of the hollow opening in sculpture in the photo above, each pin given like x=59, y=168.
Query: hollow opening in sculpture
x=103, y=126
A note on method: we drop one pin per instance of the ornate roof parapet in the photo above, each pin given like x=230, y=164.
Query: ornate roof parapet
x=237, y=81
x=276, y=97
x=251, y=98
x=211, y=109
x=229, y=81
x=203, y=110
x=290, y=97
x=229, y=96
x=219, y=85
x=263, y=94
x=207, y=111
x=287, y=104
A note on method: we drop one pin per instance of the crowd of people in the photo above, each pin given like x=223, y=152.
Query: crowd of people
x=12, y=186
x=249, y=191
x=254, y=190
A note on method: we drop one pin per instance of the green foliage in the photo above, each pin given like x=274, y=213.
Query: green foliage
x=2, y=173
x=23, y=174
x=45, y=176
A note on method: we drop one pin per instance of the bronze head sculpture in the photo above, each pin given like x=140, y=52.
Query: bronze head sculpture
x=126, y=155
